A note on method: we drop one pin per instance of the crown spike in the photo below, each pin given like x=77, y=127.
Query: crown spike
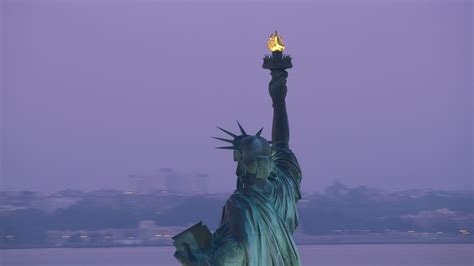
x=241, y=129
x=259, y=132
x=226, y=148
x=228, y=132
x=222, y=139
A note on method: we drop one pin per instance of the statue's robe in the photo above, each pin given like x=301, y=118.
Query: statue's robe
x=258, y=220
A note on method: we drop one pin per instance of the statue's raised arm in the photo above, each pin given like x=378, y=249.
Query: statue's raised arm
x=277, y=63
x=287, y=167
x=280, y=127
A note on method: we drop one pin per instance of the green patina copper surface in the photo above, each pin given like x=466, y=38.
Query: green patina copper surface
x=260, y=217
x=258, y=221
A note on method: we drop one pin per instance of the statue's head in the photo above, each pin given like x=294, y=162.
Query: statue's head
x=251, y=152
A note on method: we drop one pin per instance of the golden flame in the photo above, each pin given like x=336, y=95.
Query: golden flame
x=275, y=43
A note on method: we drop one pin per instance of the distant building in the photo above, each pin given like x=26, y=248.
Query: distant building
x=167, y=180
x=200, y=181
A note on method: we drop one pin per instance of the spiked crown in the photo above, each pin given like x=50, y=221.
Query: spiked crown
x=238, y=139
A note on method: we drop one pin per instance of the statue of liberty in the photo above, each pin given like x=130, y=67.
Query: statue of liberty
x=260, y=216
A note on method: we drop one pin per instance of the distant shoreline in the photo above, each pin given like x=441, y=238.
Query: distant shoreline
x=468, y=240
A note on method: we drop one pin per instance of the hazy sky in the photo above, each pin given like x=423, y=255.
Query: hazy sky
x=380, y=93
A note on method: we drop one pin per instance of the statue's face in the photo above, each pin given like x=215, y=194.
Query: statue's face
x=253, y=156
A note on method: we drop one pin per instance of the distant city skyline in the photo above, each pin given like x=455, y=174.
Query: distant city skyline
x=94, y=91
x=60, y=219
x=168, y=180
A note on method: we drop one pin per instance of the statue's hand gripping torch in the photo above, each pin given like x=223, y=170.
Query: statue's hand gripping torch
x=277, y=63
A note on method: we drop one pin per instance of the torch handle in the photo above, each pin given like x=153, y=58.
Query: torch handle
x=278, y=91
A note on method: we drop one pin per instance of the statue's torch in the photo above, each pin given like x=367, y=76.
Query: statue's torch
x=276, y=60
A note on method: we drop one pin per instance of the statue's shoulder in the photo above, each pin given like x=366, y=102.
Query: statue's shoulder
x=285, y=161
x=236, y=200
x=284, y=157
x=240, y=201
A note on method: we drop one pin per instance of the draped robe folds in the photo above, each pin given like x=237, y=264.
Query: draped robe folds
x=258, y=220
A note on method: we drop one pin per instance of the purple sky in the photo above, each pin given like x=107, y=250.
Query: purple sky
x=380, y=93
